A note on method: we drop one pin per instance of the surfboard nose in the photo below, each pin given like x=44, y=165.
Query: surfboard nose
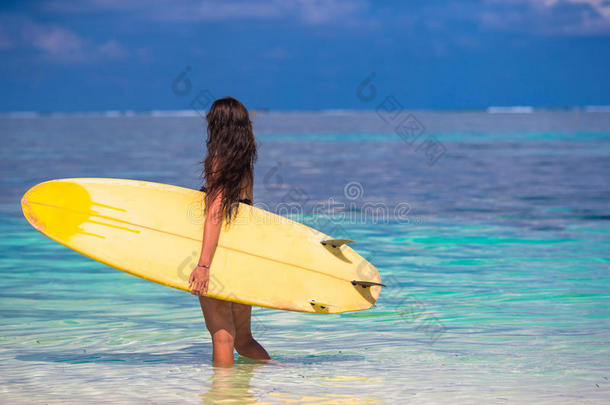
x=57, y=206
x=26, y=207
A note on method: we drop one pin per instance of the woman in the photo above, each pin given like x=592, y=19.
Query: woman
x=229, y=176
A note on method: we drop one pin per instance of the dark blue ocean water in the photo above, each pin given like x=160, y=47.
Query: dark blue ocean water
x=492, y=232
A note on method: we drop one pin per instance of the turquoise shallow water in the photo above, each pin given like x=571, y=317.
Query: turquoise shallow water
x=498, y=275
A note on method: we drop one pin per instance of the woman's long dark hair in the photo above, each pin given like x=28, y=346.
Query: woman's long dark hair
x=229, y=164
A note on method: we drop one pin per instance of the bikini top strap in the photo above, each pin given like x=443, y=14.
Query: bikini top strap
x=243, y=200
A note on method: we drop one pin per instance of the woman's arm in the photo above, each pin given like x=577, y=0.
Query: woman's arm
x=200, y=277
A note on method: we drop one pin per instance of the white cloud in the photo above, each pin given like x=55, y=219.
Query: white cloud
x=309, y=12
x=550, y=17
x=326, y=11
x=87, y=6
x=601, y=6
x=111, y=50
x=212, y=10
x=54, y=43
x=591, y=22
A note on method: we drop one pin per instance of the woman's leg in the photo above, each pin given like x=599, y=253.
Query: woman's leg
x=244, y=342
x=219, y=321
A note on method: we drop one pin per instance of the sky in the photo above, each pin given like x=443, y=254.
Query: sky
x=96, y=55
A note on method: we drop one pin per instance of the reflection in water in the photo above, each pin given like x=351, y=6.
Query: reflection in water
x=231, y=385
x=325, y=399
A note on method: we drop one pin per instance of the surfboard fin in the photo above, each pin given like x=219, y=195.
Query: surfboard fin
x=336, y=242
x=319, y=305
x=366, y=284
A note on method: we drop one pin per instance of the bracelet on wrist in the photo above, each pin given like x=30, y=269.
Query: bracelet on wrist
x=203, y=265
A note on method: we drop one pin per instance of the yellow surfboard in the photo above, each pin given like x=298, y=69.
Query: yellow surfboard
x=154, y=231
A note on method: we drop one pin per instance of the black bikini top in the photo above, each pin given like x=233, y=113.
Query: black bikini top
x=243, y=200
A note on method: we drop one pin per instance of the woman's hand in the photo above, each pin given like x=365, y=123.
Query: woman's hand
x=199, y=280
x=200, y=277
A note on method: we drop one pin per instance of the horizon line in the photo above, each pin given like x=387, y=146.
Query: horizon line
x=513, y=109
